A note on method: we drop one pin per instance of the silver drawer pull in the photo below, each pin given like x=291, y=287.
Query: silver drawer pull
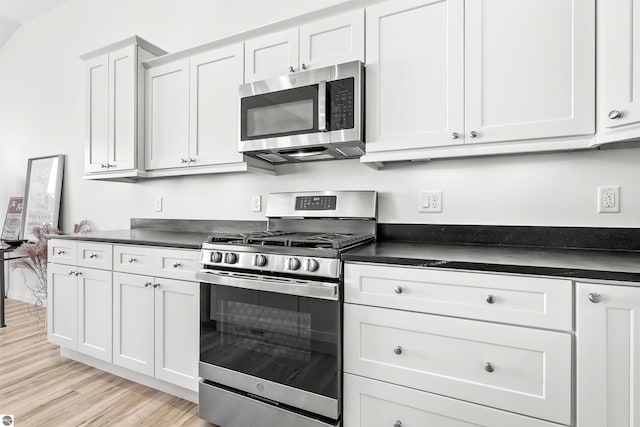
x=156, y=285
x=595, y=297
x=397, y=350
x=92, y=256
x=398, y=423
x=398, y=289
x=77, y=273
x=60, y=252
x=489, y=367
x=71, y=272
x=131, y=260
x=177, y=265
x=146, y=285
x=490, y=299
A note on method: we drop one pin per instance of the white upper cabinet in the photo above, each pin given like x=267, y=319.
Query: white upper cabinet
x=618, y=70
x=459, y=78
x=317, y=44
x=114, y=110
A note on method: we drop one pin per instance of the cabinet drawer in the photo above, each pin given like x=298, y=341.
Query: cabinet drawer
x=521, y=300
x=62, y=251
x=518, y=369
x=369, y=403
x=177, y=263
x=95, y=255
x=133, y=259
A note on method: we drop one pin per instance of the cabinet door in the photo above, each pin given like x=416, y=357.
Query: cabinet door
x=608, y=355
x=619, y=65
x=133, y=322
x=62, y=312
x=95, y=313
x=415, y=74
x=215, y=77
x=332, y=41
x=271, y=55
x=529, y=69
x=97, y=114
x=167, y=119
x=176, y=335
x=122, y=108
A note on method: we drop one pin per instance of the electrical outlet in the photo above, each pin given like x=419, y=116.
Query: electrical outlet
x=430, y=201
x=256, y=203
x=159, y=204
x=609, y=198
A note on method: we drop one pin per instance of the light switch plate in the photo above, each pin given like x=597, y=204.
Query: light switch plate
x=430, y=201
x=159, y=204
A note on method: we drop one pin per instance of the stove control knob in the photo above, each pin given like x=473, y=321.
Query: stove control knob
x=294, y=263
x=312, y=265
x=230, y=258
x=216, y=257
x=259, y=260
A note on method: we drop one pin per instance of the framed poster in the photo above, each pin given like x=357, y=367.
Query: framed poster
x=13, y=221
x=42, y=192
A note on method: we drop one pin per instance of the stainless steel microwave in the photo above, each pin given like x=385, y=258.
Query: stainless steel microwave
x=311, y=115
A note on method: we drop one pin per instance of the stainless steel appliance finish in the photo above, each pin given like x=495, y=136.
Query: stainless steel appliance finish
x=306, y=116
x=270, y=335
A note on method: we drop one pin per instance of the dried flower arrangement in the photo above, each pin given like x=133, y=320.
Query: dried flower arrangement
x=35, y=260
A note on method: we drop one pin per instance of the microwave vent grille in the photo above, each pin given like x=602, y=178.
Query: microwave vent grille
x=351, y=151
x=270, y=157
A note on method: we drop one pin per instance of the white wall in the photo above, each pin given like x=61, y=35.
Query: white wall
x=42, y=113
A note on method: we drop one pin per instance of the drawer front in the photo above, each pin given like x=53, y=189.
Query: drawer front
x=179, y=264
x=369, y=403
x=95, y=255
x=133, y=259
x=518, y=369
x=520, y=300
x=62, y=251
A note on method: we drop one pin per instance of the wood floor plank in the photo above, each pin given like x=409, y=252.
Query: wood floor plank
x=39, y=387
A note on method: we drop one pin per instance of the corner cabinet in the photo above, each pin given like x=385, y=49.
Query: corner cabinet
x=608, y=355
x=114, y=93
x=618, y=70
x=192, y=114
x=458, y=78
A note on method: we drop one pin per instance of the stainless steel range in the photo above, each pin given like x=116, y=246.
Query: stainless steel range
x=270, y=334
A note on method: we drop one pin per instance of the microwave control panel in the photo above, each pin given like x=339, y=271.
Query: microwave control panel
x=340, y=100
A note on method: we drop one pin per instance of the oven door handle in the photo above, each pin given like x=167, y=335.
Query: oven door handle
x=321, y=290
x=322, y=106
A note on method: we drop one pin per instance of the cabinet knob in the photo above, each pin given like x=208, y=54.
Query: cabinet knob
x=183, y=161
x=71, y=272
x=102, y=165
x=156, y=285
x=291, y=70
x=77, y=273
x=398, y=289
x=397, y=350
x=60, y=252
x=190, y=160
x=489, y=367
x=455, y=135
x=92, y=256
x=595, y=297
x=398, y=423
x=490, y=299
x=304, y=67
x=146, y=285
x=473, y=134
x=131, y=260
x=615, y=114
x=177, y=265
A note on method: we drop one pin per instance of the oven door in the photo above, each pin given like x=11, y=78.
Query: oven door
x=272, y=345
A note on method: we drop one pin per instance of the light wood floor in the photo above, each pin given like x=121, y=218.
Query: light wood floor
x=41, y=388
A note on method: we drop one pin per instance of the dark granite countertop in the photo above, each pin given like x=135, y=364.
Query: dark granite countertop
x=170, y=239
x=573, y=263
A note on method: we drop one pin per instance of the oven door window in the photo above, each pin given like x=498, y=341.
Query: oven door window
x=281, y=113
x=286, y=339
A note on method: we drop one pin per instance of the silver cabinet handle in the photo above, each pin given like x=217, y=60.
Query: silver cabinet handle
x=455, y=135
x=489, y=367
x=71, y=272
x=77, y=273
x=398, y=289
x=595, y=297
x=146, y=285
x=102, y=165
x=177, y=265
x=183, y=161
x=190, y=160
x=397, y=350
x=490, y=299
x=156, y=285
x=291, y=70
x=398, y=423
x=304, y=67
x=473, y=134
x=92, y=256
x=60, y=252
x=131, y=260
x=615, y=114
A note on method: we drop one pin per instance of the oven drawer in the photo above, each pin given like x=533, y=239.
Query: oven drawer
x=228, y=409
x=369, y=403
x=518, y=369
x=530, y=301
x=95, y=255
x=62, y=251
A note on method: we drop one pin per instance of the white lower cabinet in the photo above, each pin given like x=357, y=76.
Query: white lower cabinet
x=608, y=355
x=156, y=327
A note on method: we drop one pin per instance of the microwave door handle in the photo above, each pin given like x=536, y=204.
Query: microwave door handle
x=322, y=106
